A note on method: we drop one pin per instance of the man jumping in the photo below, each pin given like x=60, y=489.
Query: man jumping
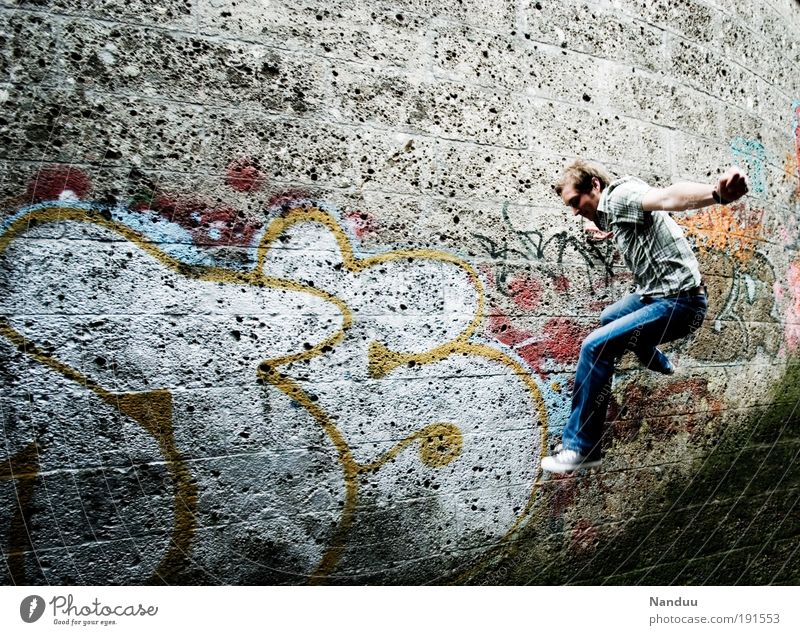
x=670, y=299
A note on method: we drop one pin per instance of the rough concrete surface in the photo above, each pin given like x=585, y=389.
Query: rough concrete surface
x=286, y=295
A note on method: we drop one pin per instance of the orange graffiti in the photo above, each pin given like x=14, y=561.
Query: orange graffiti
x=791, y=168
x=723, y=228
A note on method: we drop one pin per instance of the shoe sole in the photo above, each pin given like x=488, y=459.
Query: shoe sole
x=560, y=469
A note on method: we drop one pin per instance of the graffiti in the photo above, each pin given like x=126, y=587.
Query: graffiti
x=796, y=134
x=742, y=314
x=685, y=405
x=792, y=332
x=353, y=390
x=209, y=225
x=558, y=343
x=362, y=223
x=532, y=246
x=244, y=175
x=751, y=153
x=58, y=182
x=736, y=230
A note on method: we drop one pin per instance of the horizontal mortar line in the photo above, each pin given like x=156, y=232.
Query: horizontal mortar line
x=157, y=99
x=653, y=124
x=165, y=533
x=372, y=127
x=279, y=115
x=483, y=254
x=113, y=316
x=313, y=184
x=306, y=53
x=590, y=317
x=722, y=8
x=635, y=19
x=717, y=9
x=352, y=189
x=703, y=45
x=669, y=79
x=669, y=127
x=282, y=116
x=168, y=532
x=139, y=465
x=672, y=81
x=422, y=377
x=782, y=16
x=216, y=37
x=198, y=33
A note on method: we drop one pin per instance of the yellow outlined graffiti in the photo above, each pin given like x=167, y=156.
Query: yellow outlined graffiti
x=439, y=443
x=152, y=410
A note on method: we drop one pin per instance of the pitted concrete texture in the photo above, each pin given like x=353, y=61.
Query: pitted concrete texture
x=286, y=295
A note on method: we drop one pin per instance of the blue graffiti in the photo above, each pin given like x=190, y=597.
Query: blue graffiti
x=752, y=154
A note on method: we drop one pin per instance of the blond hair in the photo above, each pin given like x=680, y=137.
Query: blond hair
x=580, y=174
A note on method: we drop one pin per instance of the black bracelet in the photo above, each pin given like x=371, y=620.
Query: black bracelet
x=717, y=198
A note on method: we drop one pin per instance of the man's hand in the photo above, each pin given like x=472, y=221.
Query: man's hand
x=732, y=185
x=594, y=234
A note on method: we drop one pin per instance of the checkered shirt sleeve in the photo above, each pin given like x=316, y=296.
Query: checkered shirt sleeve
x=624, y=202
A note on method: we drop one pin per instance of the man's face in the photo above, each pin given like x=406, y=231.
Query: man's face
x=582, y=203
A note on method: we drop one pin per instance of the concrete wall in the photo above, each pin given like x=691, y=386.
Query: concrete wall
x=287, y=295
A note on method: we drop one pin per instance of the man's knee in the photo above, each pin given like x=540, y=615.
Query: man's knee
x=592, y=346
x=608, y=315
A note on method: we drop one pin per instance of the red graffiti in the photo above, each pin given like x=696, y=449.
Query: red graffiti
x=560, y=340
x=526, y=292
x=561, y=283
x=362, y=223
x=287, y=198
x=585, y=537
x=561, y=343
x=209, y=226
x=53, y=182
x=244, y=175
x=565, y=490
x=792, y=332
x=693, y=407
x=502, y=330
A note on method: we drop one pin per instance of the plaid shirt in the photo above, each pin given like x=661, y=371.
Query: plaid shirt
x=651, y=243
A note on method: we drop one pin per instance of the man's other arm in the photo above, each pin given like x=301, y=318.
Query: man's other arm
x=682, y=196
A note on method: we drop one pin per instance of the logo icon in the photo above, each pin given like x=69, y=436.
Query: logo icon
x=31, y=609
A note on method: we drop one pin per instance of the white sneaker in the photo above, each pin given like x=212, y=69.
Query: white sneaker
x=568, y=461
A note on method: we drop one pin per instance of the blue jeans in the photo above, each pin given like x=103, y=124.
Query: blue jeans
x=635, y=323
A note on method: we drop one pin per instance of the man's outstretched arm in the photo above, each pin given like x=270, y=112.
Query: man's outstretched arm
x=679, y=197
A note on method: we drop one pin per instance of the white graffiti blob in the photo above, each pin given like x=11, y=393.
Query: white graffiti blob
x=444, y=443
x=416, y=520
x=105, y=305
